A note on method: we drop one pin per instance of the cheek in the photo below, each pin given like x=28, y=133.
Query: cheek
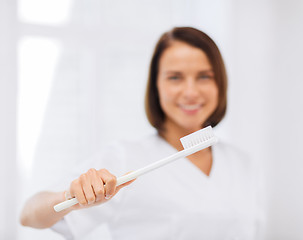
x=166, y=94
x=212, y=93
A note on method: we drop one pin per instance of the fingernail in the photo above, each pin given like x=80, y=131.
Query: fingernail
x=108, y=197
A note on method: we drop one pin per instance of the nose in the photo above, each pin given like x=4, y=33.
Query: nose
x=190, y=89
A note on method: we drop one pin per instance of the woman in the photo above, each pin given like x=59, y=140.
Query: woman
x=208, y=195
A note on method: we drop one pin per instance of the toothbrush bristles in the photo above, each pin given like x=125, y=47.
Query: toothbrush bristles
x=197, y=137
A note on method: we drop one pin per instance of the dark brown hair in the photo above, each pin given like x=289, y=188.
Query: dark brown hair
x=198, y=39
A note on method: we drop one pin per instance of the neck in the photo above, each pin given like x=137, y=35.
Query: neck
x=201, y=159
x=173, y=133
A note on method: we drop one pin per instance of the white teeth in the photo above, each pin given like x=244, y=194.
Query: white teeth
x=190, y=107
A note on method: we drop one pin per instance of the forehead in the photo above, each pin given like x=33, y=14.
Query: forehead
x=182, y=56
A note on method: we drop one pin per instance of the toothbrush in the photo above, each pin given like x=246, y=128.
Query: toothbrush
x=191, y=143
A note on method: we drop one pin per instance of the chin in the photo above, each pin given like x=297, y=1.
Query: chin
x=194, y=125
x=191, y=128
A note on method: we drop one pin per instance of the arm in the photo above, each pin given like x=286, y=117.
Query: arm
x=38, y=211
x=91, y=188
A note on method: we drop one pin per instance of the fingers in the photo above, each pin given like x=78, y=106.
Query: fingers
x=89, y=192
x=77, y=192
x=97, y=185
x=94, y=187
x=109, y=181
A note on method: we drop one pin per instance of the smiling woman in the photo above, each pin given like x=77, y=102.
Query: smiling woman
x=96, y=96
x=209, y=195
x=188, y=73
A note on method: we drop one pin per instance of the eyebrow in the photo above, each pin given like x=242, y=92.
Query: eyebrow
x=172, y=72
x=206, y=71
x=179, y=72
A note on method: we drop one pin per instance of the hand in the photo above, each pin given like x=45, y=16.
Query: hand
x=94, y=187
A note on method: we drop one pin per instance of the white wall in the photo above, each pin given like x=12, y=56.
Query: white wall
x=285, y=165
x=266, y=103
x=95, y=63
x=8, y=93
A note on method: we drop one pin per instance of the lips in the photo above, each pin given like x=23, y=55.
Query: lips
x=190, y=108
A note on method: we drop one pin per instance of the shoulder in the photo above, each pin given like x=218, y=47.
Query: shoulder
x=144, y=149
x=120, y=148
x=145, y=141
x=234, y=157
x=231, y=150
x=127, y=154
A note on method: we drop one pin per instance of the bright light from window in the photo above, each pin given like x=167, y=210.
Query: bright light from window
x=50, y=12
x=37, y=60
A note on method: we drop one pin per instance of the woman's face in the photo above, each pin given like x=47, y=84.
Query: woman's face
x=186, y=85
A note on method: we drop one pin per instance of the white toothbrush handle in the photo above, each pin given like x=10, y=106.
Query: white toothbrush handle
x=66, y=204
x=164, y=161
x=130, y=176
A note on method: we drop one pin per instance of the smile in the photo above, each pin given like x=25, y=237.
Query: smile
x=191, y=107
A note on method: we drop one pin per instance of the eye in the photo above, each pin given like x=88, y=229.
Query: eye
x=205, y=77
x=174, y=77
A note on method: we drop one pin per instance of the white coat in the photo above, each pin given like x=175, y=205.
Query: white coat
x=177, y=201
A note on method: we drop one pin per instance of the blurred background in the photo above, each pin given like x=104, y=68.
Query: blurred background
x=73, y=75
